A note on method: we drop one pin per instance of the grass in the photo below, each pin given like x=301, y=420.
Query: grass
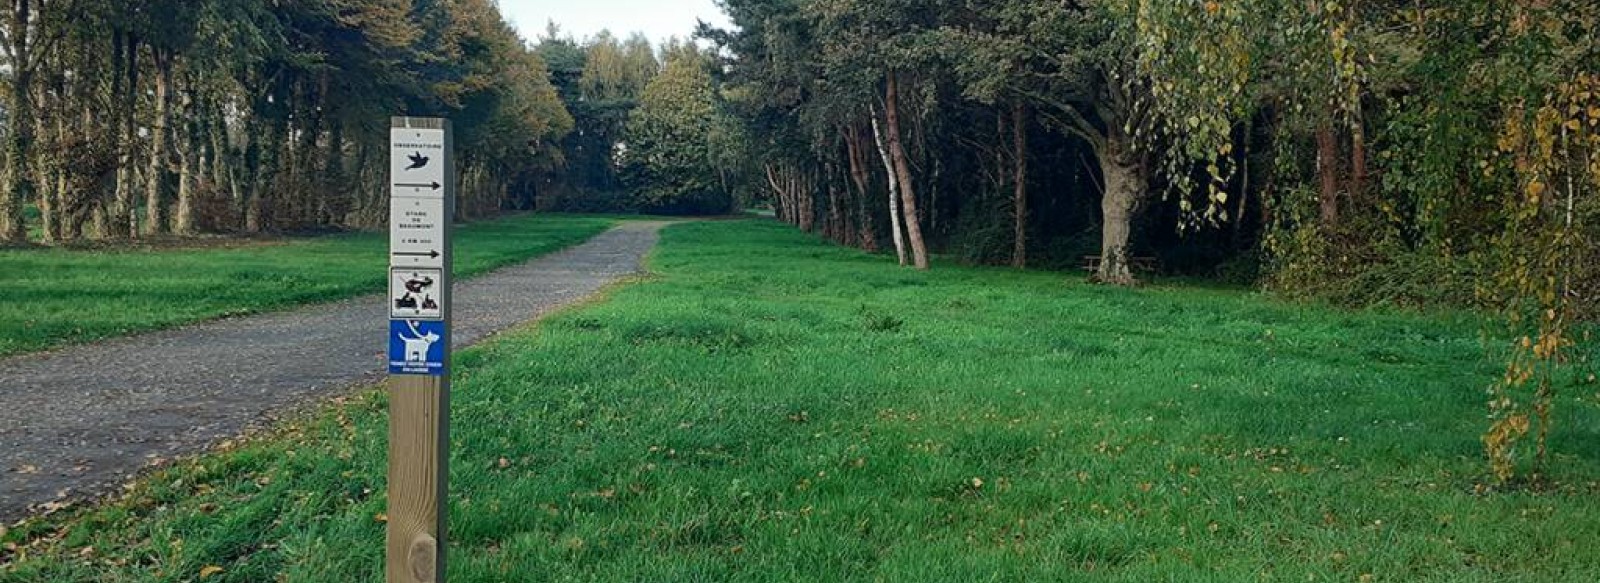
x=62, y=296
x=769, y=408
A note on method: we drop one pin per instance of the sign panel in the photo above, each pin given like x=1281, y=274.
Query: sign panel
x=416, y=347
x=414, y=294
x=419, y=247
x=416, y=232
x=416, y=163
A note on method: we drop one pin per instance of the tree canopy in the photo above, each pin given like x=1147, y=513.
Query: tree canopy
x=154, y=117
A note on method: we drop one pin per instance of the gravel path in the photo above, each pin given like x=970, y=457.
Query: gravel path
x=80, y=421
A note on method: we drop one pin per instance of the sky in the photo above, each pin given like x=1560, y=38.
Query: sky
x=657, y=19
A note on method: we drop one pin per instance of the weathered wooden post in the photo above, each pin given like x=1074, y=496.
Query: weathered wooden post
x=421, y=209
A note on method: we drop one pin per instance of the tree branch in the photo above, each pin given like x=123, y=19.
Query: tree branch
x=1074, y=123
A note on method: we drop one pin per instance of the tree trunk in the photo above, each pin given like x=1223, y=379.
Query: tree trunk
x=1358, y=156
x=1125, y=186
x=773, y=181
x=807, y=202
x=160, y=162
x=1244, y=185
x=336, y=205
x=121, y=219
x=53, y=170
x=897, y=153
x=1328, y=172
x=1019, y=125
x=867, y=233
x=266, y=146
x=183, y=220
x=18, y=186
x=835, y=228
x=894, y=190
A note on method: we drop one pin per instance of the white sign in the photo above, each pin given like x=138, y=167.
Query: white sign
x=416, y=232
x=416, y=162
x=414, y=294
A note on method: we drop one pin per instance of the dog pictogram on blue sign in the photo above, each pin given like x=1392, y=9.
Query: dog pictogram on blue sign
x=416, y=347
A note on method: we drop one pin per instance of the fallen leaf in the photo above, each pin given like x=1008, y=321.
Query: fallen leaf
x=209, y=570
x=380, y=517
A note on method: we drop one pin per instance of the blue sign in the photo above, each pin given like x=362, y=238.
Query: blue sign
x=416, y=347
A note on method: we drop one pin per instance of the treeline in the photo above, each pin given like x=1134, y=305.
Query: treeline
x=1327, y=139
x=137, y=118
x=654, y=130
x=1363, y=151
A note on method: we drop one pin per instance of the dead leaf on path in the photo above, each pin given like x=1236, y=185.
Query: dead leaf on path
x=27, y=469
x=209, y=570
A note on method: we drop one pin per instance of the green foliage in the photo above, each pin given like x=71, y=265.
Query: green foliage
x=600, y=81
x=735, y=417
x=681, y=143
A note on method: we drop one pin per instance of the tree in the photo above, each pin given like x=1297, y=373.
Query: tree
x=678, y=140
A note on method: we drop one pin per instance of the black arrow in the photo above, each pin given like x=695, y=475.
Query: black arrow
x=431, y=254
x=435, y=186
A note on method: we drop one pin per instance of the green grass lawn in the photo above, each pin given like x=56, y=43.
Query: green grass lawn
x=769, y=408
x=62, y=296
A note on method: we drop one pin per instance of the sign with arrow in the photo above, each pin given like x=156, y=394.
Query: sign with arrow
x=417, y=162
x=416, y=231
x=429, y=186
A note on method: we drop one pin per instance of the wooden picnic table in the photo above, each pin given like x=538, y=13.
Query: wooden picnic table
x=1142, y=264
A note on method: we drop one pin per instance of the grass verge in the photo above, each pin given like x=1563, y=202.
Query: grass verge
x=59, y=296
x=769, y=408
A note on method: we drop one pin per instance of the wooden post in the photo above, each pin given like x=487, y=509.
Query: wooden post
x=422, y=201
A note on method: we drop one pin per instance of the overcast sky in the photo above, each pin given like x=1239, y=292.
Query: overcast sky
x=657, y=19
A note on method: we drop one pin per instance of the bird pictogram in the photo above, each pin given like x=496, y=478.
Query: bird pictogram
x=417, y=161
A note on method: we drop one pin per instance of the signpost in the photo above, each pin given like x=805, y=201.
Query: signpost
x=421, y=209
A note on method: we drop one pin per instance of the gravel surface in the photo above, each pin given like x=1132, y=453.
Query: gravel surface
x=79, y=422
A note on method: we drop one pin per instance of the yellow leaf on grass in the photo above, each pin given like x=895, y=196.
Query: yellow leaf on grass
x=209, y=570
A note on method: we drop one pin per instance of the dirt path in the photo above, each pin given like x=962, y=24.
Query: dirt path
x=80, y=421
